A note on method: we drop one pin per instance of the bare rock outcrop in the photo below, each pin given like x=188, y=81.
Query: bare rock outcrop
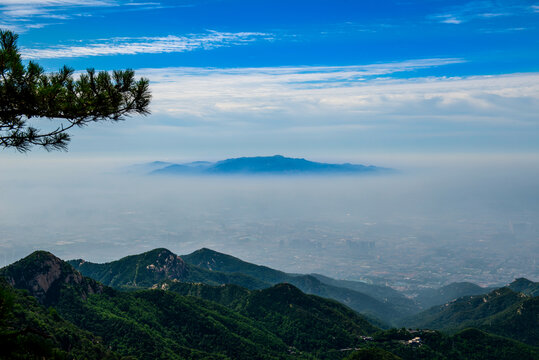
x=44, y=276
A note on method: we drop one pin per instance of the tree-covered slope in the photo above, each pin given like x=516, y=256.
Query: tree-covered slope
x=279, y=322
x=146, y=269
x=469, y=344
x=358, y=301
x=216, y=261
x=306, y=322
x=30, y=331
x=154, y=324
x=501, y=311
x=525, y=286
x=382, y=293
x=520, y=321
x=149, y=324
x=378, y=306
x=213, y=268
x=177, y=320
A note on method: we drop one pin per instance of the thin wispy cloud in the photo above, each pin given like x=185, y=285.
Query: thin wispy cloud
x=19, y=15
x=146, y=45
x=307, y=76
x=475, y=10
x=19, y=10
x=447, y=19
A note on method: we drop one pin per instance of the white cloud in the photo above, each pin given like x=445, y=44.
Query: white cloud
x=339, y=110
x=146, y=45
x=449, y=19
x=294, y=97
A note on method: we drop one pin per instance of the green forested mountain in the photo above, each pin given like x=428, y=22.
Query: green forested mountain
x=501, y=311
x=45, y=276
x=525, y=286
x=278, y=322
x=28, y=330
x=154, y=324
x=146, y=269
x=469, y=344
x=383, y=293
x=179, y=320
x=213, y=268
x=216, y=261
x=371, y=299
x=305, y=321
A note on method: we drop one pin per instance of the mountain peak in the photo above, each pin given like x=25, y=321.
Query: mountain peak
x=159, y=252
x=167, y=263
x=525, y=286
x=43, y=275
x=521, y=281
x=142, y=270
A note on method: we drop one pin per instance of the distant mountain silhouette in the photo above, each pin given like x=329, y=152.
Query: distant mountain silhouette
x=263, y=165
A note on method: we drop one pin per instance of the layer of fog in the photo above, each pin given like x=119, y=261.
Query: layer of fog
x=481, y=208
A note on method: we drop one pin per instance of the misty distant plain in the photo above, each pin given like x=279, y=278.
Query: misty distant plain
x=440, y=219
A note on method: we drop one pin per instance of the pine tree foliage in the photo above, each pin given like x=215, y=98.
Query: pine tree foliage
x=29, y=96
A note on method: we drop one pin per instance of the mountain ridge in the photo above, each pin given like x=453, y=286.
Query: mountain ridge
x=214, y=268
x=262, y=165
x=197, y=321
x=150, y=324
x=495, y=312
x=148, y=268
x=44, y=275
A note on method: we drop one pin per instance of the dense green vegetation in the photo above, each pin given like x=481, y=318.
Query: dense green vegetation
x=28, y=330
x=278, y=322
x=149, y=268
x=154, y=324
x=216, y=261
x=372, y=300
x=525, y=286
x=469, y=344
x=61, y=314
x=502, y=311
x=306, y=322
x=69, y=100
x=372, y=354
x=213, y=268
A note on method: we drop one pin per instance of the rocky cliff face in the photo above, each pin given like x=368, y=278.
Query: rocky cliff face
x=169, y=264
x=44, y=276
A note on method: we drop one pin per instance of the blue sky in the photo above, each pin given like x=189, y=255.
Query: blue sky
x=303, y=78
